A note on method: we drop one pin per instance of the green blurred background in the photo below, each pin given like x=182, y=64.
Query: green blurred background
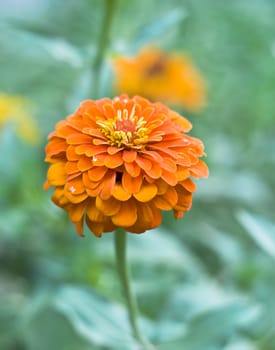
x=205, y=282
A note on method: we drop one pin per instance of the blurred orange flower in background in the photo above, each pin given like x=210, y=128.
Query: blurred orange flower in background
x=16, y=110
x=118, y=163
x=168, y=77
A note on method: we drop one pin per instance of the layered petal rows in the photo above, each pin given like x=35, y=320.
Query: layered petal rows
x=119, y=163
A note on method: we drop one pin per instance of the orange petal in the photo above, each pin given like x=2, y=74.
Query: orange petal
x=113, y=161
x=170, y=178
x=155, y=171
x=109, y=111
x=78, y=198
x=76, y=212
x=112, y=150
x=169, y=165
x=145, y=164
x=71, y=168
x=75, y=186
x=108, y=207
x=168, y=200
x=152, y=155
x=93, y=213
x=132, y=168
x=46, y=185
x=148, y=112
x=182, y=173
x=79, y=227
x=63, y=129
x=93, y=192
x=96, y=227
x=99, y=159
x=85, y=164
x=146, y=193
x=127, y=214
x=200, y=169
x=184, y=160
x=184, y=199
x=77, y=139
x=161, y=203
x=162, y=186
x=131, y=184
x=88, y=183
x=129, y=156
x=97, y=173
x=55, y=147
x=177, y=118
x=178, y=214
x=164, y=150
x=56, y=174
x=189, y=185
x=149, y=217
x=108, y=184
x=58, y=197
x=120, y=194
x=70, y=153
x=87, y=149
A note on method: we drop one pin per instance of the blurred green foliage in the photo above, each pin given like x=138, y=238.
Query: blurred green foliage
x=205, y=282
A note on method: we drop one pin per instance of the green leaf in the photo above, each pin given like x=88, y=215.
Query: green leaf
x=202, y=314
x=260, y=230
x=77, y=318
x=207, y=331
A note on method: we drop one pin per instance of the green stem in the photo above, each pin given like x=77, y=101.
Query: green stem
x=102, y=45
x=124, y=275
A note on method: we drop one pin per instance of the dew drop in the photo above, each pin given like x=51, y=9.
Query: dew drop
x=72, y=189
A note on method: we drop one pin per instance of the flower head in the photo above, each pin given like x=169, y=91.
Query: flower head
x=119, y=163
x=159, y=76
x=16, y=110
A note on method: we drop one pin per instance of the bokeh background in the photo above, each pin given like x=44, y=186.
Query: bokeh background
x=205, y=282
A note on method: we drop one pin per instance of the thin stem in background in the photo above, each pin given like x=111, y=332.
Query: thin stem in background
x=102, y=45
x=124, y=275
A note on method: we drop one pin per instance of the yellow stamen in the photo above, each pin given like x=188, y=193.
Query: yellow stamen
x=125, y=129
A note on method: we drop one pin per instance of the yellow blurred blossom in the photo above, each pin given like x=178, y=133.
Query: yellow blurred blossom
x=16, y=110
x=162, y=76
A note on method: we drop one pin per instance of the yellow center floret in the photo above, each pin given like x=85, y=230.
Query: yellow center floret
x=125, y=130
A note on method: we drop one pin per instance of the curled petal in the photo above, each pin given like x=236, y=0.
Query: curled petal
x=75, y=198
x=129, y=156
x=113, y=161
x=56, y=147
x=84, y=164
x=107, y=185
x=131, y=184
x=108, y=207
x=167, y=201
x=97, y=173
x=132, y=168
x=120, y=194
x=76, y=215
x=199, y=170
x=127, y=214
x=56, y=174
x=146, y=193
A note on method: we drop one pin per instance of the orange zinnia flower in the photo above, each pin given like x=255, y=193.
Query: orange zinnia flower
x=160, y=76
x=118, y=163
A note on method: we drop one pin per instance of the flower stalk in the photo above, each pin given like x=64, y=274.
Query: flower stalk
x=124, y=275
x=102, y=45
